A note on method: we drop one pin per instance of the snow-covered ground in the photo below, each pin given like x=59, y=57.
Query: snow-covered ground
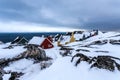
x=10, y=53
x=62, y=68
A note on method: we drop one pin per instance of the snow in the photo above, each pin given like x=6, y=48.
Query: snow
x=18, y=37
x=6, y=77
x=65, y=39
x=86, y=33
x=101, y=36
x=53, y=53
x=36, y=40
x=62, y=68
x=19, y=66
x=10, y=53
x=78, y=36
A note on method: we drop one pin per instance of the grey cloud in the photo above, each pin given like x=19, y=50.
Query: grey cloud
x=101, y=14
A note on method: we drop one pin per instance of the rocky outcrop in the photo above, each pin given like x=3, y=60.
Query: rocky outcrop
x=15, y=75
x=101, y=62
x=114, y=42
x=34, y=52
x=65, y=51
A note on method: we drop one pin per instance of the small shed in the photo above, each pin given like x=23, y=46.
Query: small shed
x=44, y=43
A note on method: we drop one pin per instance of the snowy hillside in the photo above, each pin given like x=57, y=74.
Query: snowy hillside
x=57, y=64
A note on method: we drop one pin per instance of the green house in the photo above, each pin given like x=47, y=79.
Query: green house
x=20, y=40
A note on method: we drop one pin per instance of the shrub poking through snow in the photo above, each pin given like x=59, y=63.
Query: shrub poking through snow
x=101, y=62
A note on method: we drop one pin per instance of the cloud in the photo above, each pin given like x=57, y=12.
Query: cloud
x=73, y=13
x=31, y=27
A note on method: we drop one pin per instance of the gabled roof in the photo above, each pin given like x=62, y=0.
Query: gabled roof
x=57, y=37
x=36, y=40
x=23, y=38
x=86, y=34
x=64, y=39
x=18, y=40
x=78, y=36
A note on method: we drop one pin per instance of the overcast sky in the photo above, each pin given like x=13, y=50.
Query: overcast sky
x=77, y=14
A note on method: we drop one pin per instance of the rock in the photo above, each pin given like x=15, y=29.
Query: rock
x=2, y=72
x=104, y=63
x=82, y=57
x=114, y=42
x=32, y=52
x=15, y=75
x=9, y=47
x=85, y=50
x=99, y=42
x=101, y=62
x=35, y=52
x=45, y=64
x=102, y=51
x=65, y=51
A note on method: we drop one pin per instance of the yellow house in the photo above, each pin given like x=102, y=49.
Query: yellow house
x=58, y=43
x=72, y=38
x=66, y=40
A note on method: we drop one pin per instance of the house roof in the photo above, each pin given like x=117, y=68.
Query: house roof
x=86, y=34
x=65, y=38
x=18, y=40
x=78, y=36
x=36, y=40
x=23, y=38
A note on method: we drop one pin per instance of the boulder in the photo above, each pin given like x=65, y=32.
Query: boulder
x=35, y=52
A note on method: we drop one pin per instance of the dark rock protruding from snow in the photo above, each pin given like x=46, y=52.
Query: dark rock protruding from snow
x=32, y=52
x=101, y=62
x=15, y=75
x=82, y=57
x=35, y=52
x=115, y=42
x=65, y=51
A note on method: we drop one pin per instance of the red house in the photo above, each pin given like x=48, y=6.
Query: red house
x=50, y=38
x=44, y=43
